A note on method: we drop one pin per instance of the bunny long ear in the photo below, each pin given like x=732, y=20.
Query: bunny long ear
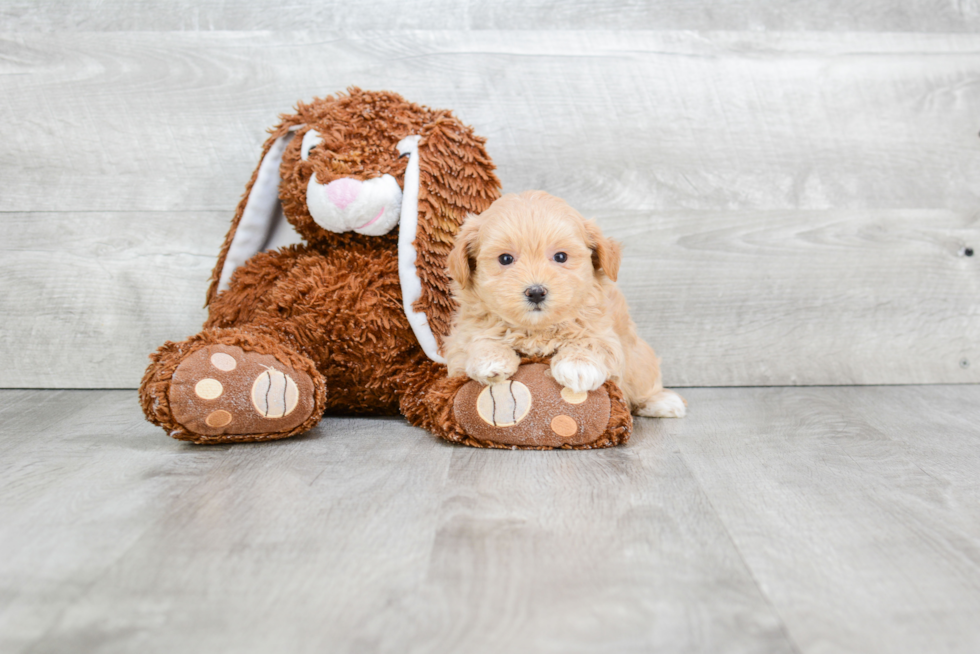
x=456, y=179
x=259, y=223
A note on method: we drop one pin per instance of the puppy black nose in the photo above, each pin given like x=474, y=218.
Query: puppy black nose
x=536, y=293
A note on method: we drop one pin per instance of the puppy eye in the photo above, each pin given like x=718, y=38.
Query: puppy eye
x=561, y=257
x=505, y=259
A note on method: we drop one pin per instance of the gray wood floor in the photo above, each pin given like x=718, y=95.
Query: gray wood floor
x=771, y=520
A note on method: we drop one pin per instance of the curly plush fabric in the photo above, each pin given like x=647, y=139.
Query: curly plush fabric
x=329, y=311
x=154, y=389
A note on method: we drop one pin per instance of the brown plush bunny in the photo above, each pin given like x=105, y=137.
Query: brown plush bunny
x=352, y=320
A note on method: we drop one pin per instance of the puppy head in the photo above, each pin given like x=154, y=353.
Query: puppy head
x=531, y=259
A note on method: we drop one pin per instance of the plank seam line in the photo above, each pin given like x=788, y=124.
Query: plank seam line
x=783, y=627
x=732, y=386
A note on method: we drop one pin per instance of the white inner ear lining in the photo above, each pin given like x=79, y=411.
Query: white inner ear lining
x=262, y=209
x=407, y=230
x=260, y=213
x=310, y=140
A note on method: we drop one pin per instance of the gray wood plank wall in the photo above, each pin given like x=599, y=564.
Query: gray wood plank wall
x=253, y=15
x=796, y=186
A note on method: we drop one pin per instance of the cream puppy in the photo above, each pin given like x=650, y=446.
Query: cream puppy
x=533, y=276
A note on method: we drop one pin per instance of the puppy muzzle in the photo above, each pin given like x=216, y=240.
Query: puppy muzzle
x=536, y=294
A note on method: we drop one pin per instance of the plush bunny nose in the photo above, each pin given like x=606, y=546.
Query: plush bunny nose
x=343, y=191
x=536, y=293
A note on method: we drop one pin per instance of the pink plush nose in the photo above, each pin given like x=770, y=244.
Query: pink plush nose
x=343, y=191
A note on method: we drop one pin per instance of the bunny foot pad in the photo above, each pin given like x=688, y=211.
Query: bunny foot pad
x=222, y=389
x=532, y=410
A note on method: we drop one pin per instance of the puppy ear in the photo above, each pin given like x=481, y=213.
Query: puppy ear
x=461, y=262
x=606, y=253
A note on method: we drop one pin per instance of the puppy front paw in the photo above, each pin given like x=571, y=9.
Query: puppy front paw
x=580, y=376
x=492, y=369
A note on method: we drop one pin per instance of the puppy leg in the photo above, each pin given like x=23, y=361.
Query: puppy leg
x=665, y=404
x=644, y=389
x=490, y=362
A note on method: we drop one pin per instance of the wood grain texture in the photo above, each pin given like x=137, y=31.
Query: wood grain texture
x=840, y=16
x=648, y=120
x=365, y=536
x=854, y=508
x=80, y=483
x=726, y=298
x=769, y=520
x=87, y=296
x=796, y=206
x=804, y=297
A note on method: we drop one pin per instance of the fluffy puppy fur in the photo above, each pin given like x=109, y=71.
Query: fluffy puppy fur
x=532, y=276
